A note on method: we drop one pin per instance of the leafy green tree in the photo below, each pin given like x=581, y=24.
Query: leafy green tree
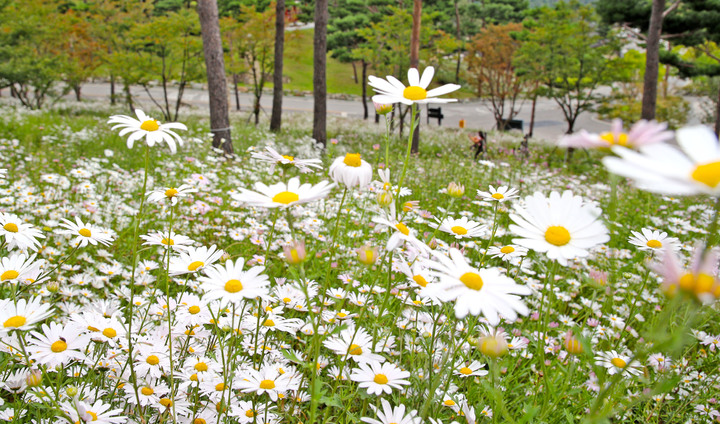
x=567, y=56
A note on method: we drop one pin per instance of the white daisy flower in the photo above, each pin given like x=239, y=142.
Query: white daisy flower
x=274, y=158
x=22, y=315
x=194, y=259
x=653, y=240
x=500, y=194
x=662, y=168
x=282, y=194
x=97, y=413
x=507, y=253
x=231, y=284
x=171, y=194
x=393, y=91
x=379, y=378
x=85, y=233
x=616, y=363
x=57, y=345
x=18, y=267
x=460, y=228
x=161, y=238
x=356, y=345
x=641, y=134
x=390, y=415
x=151, y=129
x=475, y=291
x=18, y=233
x=401, y=232
x=351, y=170
x=267, y=380
x=562, y=227
x=473, y=369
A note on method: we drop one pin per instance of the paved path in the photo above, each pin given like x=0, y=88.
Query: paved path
x=549, y=122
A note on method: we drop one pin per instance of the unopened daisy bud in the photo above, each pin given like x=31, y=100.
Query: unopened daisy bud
x=53, y=286
x=433, y=244
x=493, y=345
x=385, y=198
x=455, y=190
x=367, y=254
x=34, y=378
x=410, y=205
x=572, y=344
x=382, y=109
x=295, y=252
x=71, y=391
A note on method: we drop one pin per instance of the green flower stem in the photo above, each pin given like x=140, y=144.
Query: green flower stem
x=413, y=124
x=169, y=314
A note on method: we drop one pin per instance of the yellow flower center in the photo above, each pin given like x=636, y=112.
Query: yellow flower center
x=355, y=350
x=287, y=300
x=267, y=384
x=352, y=159
x=58, y=346
x=618, y=362
x=194, y=309
x=507, y=249
x=285, y=197
x=233, y=286
x=85, y=232
x=497, y=196
x=655, y=244
x=166, y=402
x=11, y=227
x=449, y=402
x=557, y=235
x=150, y=125
x=459, y=230
x=220, y=387
x=249, y=413
x=201, y=366
x=15, y=322
x=269, y=323
x=414, y=93
x=708, y=174
x=422, y=282
x=609, y=138
x=167, y=242
x=152, y=360
x=147, y=391
x=402, y=228
x=199, y=421
x=700, y=283
x=9, y=275
x=109, y=333
x=290, y=158
x=171, y=192
x=93, y=415
x=380, y=379
x=465, y=371
x=472, y=280
x=195, y=265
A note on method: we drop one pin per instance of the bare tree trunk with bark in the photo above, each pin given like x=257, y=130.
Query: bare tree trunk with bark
x=415, y=63
x=364, y=89
x=276, y=117
x=652, y=61
x=215, y=65
x=319, y=72
x=457, y=34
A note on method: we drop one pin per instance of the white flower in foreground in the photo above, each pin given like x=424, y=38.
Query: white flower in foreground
x=282, y=194
x=562, y=227
x=500, y=194
x=57, y=345
x=393, y=91
x=653, y=240
x=390, y=415
x=354, y=345
x=171, y=194
x=379, y=378
x=194, y=259
x=475, y=291
x=18, y=233
x=616, y=362
x=267, y=380
x=145, y=126
x=85, y=233
x=22, y=316
x=274, y=158
x=99, y=412
x=17, y=266
x=351, y=170
x=662, y=168
x=642, y=133
x=231, y=284
x=460, y=228
x=507, y=253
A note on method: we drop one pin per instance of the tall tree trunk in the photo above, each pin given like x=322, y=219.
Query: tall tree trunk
x=457, y=34
x=112, y=89
x=717, y=114
x=532, y=112
x=215, y=65
x=364, y=89
x=652, y=61
x=354, y=65
x=319, y=72
x=237, y=92
x=276, y=117
x=415, y=63
x=76, y=89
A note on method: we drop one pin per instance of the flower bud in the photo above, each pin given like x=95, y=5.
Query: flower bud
x=385, y=198
x=455, y=190
x=382, y=109
x=295, y=252
x=71, y=391
x=34, y=378
x=53, y=286
x=572, y=344
x=367, y=254
x=493, y=345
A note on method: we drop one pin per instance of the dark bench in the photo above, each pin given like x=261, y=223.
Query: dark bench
x=513, y=124
x=435, y=112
